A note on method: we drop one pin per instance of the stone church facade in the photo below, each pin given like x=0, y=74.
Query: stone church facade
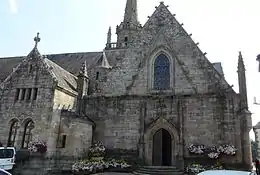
x=152, y=92
x=256, y=128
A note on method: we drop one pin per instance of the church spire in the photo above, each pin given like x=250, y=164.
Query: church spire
x=241, y=65
x=131, y=12
x=241, y=71
x=109, y=35
x=128, y=29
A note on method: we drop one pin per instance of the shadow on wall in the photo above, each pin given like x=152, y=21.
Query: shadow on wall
x=22, y=155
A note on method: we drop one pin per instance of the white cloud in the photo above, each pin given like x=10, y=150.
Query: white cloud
x=13, y=6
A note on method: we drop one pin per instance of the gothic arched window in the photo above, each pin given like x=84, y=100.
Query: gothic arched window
x=27, y=135
x=13, y=132
x=161, y=73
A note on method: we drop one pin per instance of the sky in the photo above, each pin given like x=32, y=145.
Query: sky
x=222, y=27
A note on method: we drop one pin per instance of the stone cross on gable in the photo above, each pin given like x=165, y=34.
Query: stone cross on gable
x=37, y=39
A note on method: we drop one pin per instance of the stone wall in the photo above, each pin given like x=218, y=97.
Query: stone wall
x=37, y=164
x=257, y=136
x=30, y=74
x=117, y=121
x=123, y=122
x=79, y=132
x=64, y=100
x=76, y=129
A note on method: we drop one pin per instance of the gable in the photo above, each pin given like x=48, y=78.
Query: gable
x=41, y=68
x=70, y=62
x=162, y=30
x=27, y=72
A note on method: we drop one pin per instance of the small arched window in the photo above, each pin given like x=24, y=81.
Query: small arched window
x=97, y=75
x=126, y=40
x=30, y=68
x=27, y=135
x=161, y=73
x=13, y=132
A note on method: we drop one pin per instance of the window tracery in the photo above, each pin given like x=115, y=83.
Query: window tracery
x=27, y=135
x=13, y=132
x=161, y=73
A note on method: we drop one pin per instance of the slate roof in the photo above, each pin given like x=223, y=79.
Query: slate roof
x=65, y=79
x=7, y=65
x=103, y=62
x=257, y=126
x=71, y=62
x=218, y=67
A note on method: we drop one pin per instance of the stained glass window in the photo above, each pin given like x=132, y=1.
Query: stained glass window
x=161, y=73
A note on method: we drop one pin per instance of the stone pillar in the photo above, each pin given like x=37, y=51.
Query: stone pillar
x=142, y=125
x=181, y=111
x=19, y=137
x=33, y=93
x=53, y=132
x=20, y=94
x=246, y=143
x=247, y=151
x=26, y=94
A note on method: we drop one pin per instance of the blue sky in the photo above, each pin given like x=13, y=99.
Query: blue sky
x=222, y=27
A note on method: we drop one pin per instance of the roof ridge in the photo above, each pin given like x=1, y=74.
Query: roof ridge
x=50, y=54
x=73, y=53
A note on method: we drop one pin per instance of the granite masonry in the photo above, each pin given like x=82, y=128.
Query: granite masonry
x=256, y=128
x=153, y=93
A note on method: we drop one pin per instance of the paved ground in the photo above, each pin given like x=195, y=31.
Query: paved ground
x=111, y=173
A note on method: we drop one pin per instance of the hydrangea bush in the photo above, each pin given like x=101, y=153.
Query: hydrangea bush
x=228, y=149
x=197, y=149
x=213, y=155
x=213, y=152
x=97, y=150
x=197, y=168
x=89, y=166
x=37, y=146
x=93, y=165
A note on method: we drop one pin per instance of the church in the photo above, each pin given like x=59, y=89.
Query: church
x=152, y=92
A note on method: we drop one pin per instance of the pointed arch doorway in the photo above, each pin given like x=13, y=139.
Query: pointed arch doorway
x=162, y=148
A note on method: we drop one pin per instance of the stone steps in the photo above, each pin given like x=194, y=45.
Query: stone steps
x=159, y=170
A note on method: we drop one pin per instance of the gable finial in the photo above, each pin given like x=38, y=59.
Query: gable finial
x=37, y=39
